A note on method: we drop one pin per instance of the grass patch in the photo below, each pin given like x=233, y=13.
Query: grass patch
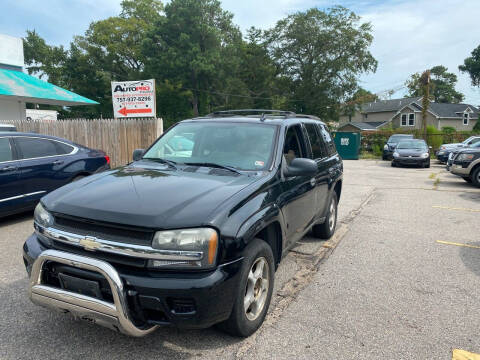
x=369, y=156
x=432, y=176
x=436, y=182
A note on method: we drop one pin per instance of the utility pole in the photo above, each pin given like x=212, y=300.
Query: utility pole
x=425, y=84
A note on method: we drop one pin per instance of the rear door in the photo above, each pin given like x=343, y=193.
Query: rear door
x=10, y=190
x=41, y=168
x=319, y=154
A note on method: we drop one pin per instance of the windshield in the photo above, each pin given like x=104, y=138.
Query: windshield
x=412, y=144
x=237, y=145
x=396, y=139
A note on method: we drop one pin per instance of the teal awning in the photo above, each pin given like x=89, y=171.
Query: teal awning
x=16, y=84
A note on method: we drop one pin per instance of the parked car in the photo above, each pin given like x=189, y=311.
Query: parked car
x=188, y=241
x=445, y=149
x=412, y=152
x=7, y=127
x=392, y=143
x=455, y=151
x=33, y=165
x=466, y=164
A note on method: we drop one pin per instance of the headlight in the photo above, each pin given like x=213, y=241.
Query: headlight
x=42, y=217
x=385, y=147
x=443, y=147
x=426, y=155
x=465, y=157
x=194, y=248
x=396, y=154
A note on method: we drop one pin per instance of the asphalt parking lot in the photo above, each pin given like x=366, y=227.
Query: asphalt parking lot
x=399, y=280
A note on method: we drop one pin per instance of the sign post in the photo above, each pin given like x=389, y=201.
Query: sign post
x=133, y=99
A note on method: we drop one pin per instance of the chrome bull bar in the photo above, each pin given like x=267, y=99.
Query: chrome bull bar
x=111, y=315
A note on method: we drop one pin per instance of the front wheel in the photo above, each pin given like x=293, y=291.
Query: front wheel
x=255, y=290
x=327, y=229
x=476, y=177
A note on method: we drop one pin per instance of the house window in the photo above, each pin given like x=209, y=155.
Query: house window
x=408, y=119
x=365, y=116
x=411, y=119
x=466, y=119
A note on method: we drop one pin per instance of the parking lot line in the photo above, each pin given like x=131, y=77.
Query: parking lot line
x=457, y=244
x=455, y=208
x=464, y=355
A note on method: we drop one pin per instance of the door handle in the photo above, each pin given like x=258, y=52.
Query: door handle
x=58, y=162
x=9, y=168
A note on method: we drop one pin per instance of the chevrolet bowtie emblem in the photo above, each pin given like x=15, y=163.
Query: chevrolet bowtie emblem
x=90, y=243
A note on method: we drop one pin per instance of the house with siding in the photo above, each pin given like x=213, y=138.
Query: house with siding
x=407, y=113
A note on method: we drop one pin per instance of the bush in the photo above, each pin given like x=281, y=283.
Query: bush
x=377, y=149
x=434, y=137
x=476, y=128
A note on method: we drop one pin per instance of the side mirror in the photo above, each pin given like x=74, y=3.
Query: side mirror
x=301, y=167
x=138, y=154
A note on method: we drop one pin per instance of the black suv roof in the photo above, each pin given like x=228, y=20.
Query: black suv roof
x=257, y=115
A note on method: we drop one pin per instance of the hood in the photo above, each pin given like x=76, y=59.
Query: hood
x=411, y=152
x=468, y=151
x=453, y=145
x=148, y=196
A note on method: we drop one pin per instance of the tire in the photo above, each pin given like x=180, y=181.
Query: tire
x=467, y=179
x=393, y=164
x=384, y=158
x=243, y=322
x=327, y=229
x=476, y=177
x=427, y=165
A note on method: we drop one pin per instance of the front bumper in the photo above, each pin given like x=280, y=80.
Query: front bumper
x=442, y=156
x=387, y=154
x=139, y=300
x=461, y=169
x=410, y=161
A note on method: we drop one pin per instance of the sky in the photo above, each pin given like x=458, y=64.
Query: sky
x=409, y=35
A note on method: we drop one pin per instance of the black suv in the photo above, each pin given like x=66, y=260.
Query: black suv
x=191, y=232
x=466, y=164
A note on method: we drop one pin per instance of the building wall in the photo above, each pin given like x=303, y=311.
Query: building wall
x=12, y=110
x=349, y=128
x=431, y=120
x=371, y=117
x=457, y=124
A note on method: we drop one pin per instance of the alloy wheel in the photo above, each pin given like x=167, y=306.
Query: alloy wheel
x=332, y=218
x=256, y=290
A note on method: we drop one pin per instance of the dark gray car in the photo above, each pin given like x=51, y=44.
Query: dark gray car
x=412, y=152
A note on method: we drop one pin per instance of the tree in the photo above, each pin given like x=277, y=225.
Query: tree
x=471, y=65
x=360, y=97
x=319, y=55
x=188, y=47
x=442, y=86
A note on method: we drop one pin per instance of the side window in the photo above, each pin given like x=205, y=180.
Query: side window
x=292, y=148
x=316, y=142
x=5, y=150
x=35, y=147
x=330, y=145
x=62, y=148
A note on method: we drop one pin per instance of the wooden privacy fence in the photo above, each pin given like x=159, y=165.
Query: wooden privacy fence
x=117, y=137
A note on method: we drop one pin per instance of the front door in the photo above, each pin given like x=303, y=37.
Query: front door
x=10, y=191
x=298, y=197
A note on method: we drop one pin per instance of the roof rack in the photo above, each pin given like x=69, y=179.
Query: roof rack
x=245, y=112
x=313, y=117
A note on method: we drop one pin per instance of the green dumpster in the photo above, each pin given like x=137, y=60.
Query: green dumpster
x=348, y=145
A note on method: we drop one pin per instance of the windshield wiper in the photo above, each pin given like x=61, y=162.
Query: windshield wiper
x=207, y=164
x=163, y=161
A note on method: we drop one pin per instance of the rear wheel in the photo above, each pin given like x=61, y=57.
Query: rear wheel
x=255, y=290
x=476, y=177
x=327, y=229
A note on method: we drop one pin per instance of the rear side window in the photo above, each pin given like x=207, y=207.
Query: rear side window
x=316, y=142
x=330, y=145
x=5, y=150
x=62, y=148
x=34, y=147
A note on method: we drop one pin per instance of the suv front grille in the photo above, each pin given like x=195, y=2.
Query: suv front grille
x=111, y=232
